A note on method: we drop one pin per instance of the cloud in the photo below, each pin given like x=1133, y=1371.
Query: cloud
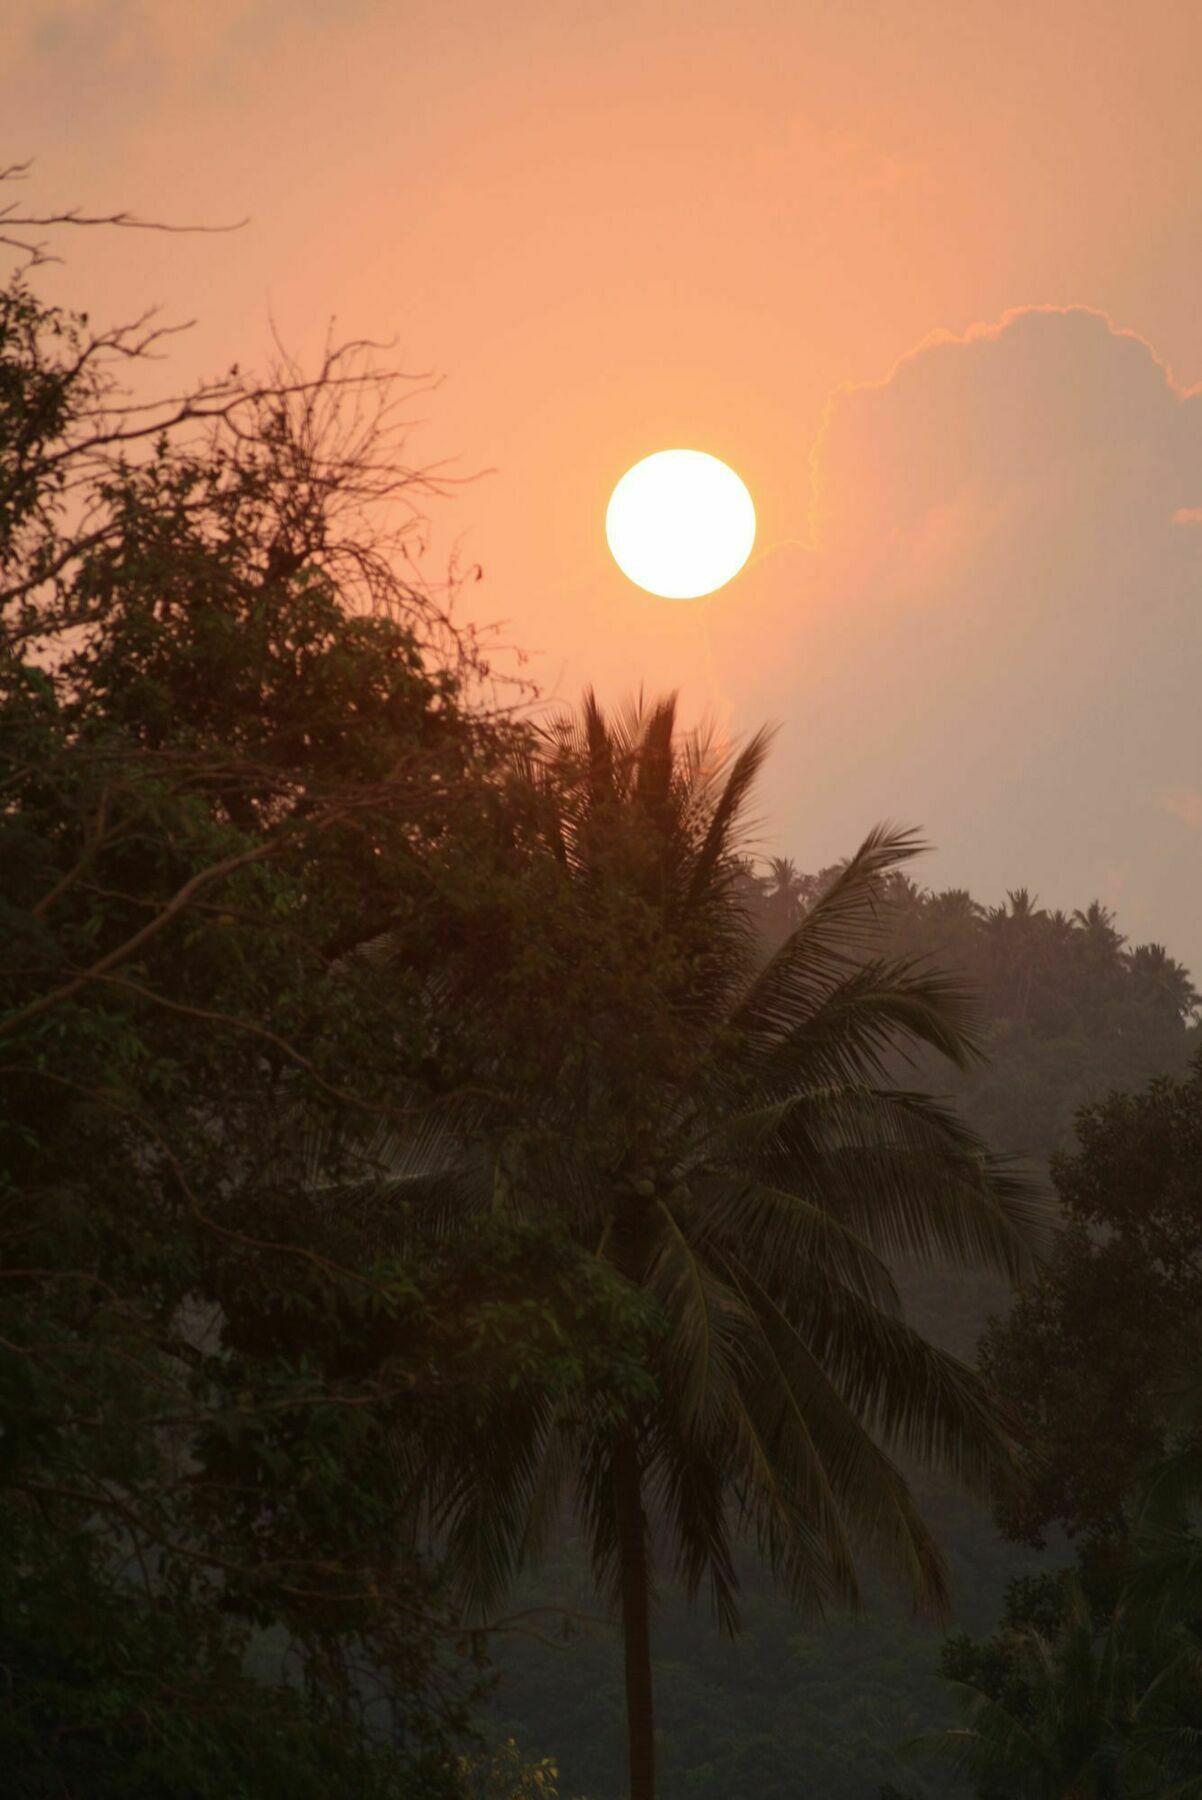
x=1000, y=633
x=127, y=68
x=1184, y=805
x=1050, y=408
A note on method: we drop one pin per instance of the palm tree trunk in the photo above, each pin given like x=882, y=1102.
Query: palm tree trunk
x=636, y=1616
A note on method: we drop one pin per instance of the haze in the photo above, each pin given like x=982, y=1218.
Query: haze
x=926, y=276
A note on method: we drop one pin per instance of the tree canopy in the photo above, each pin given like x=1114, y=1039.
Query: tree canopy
x=1091, y=1352
x=233, y=747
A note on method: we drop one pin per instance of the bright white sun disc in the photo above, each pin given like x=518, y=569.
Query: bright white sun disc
x=680, y=524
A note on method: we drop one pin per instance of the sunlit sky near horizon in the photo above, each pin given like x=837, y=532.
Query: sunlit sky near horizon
x=926, y=275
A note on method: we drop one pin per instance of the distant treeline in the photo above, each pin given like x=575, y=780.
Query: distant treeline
x=1069, y=1009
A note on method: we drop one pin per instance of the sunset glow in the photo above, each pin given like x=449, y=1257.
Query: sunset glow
x=680, y=524
x=600, y=946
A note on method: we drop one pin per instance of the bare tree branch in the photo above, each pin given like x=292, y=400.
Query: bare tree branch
x=13, y=219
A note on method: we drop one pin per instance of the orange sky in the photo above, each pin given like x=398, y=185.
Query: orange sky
x=614, y=227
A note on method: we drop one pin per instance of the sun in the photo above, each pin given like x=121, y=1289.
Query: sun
x=680, y=524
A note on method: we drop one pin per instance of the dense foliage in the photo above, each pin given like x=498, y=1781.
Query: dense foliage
x=1092, y=1351
x=232, y=748
x=1070, y=1704
x=1092, y=1683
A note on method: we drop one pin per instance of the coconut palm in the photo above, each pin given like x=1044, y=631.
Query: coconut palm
x=1091, y=1717
x=785, y=891
x=1165, y=981
x=720, y=1134
x=1059, y=1742
x=1099, y=945
x=1017, y=931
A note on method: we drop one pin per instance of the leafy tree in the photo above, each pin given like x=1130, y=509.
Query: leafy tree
x=1086, y=1353
x=1077, y=1717
x=1093, y=1684
x=503, y=1774
x=233, y=746
x=718, y=1132
x=1162, y=1571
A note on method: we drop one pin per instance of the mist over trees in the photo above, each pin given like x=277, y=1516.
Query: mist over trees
x=1071, y=1010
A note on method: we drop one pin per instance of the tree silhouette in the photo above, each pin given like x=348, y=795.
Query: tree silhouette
x=719, y=1132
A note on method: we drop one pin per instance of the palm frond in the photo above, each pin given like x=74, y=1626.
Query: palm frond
x=705, y=1318
x=917, y=1399
x=482, y=1508
x=778, y=1229
x=655, y=764
x=861, y=1488
x=550, y=1479
x=687, y=1489
x=784, y=1496
x=1165, y=1579
x=716, y=846
x=906, y=1175
x=596, y=1511
x=843, y=923
x=992, y=1744
x=842, y=1022
x=598, y=748
x=1174, y=1490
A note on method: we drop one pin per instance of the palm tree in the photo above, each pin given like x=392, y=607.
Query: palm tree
x=1082, y=1725
x=719, y=1133
x=1060, y=929
x=1017, y=929
x=785, y=892
x=1164, y=980
x=1099, y=944
x=1117, y=1711
x=1093, y=1713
